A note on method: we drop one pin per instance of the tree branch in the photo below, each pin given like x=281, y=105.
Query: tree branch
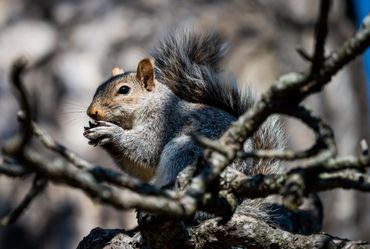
x=38, y=186
x=251, y=233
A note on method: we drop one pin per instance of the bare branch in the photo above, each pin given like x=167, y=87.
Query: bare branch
x=251, y=233
x=38, y=186
x=312, y=179
x=109, y=239
x=323, y=148
x=61, y=171
x=18, y=144
x=11, y=168
x=120, y=179
x=345, y=180
x=320, y=36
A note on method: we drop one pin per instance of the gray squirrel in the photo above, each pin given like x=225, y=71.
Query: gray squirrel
x=145, y=119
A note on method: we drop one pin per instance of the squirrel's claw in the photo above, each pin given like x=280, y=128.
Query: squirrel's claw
x=104, y=141
x=103, y=133
x=93, y=143
x=93, y=124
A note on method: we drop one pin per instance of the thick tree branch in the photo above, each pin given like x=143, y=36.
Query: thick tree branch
x=251, y=233
x=61, y=171
x=120, y=179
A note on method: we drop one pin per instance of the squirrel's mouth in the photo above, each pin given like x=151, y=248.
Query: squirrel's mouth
x=124, y=125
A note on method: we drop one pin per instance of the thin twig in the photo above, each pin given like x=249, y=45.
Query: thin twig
x=38, y=186
x=13, y=169
x=18, y=144
x=304, y=54
x=321, y=31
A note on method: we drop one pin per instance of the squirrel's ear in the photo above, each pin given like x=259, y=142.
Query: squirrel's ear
x=145, y=73
x=117, y=71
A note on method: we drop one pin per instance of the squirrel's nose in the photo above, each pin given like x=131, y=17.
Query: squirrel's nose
x=94, y=113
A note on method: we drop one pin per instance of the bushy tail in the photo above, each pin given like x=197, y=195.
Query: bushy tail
x=189, y=64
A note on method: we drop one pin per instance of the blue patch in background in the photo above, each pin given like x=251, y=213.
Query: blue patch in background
x=362, y=9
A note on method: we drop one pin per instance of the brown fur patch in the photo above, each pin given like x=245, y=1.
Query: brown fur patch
x=145, y=73
x=116, y=71
x=95, y=112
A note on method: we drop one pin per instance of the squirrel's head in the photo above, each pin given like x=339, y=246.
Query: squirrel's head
x=118, y=99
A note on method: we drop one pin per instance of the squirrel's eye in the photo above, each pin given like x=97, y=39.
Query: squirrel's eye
x=124, y=90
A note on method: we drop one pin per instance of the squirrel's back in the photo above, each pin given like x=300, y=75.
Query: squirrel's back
x=189, y=65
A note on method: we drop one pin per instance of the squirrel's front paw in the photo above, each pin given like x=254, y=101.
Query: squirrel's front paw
x=103, y=133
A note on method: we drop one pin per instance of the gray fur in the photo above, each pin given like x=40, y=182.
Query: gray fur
x=148, y=133
x=160, y=137
x=181, y=147
x=189, y=65
x=191, y=96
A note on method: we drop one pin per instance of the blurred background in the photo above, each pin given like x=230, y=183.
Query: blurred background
x=73, y=45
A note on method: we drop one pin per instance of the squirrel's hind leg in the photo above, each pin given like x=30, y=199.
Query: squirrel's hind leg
x=176, y=155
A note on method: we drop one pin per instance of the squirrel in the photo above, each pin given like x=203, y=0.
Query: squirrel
x=145, y=119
